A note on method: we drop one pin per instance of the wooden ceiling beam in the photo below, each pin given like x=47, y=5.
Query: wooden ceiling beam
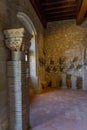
x=61, y=11
x=51, y=1
x=62, y=15
x=61, y=18
x=82, y=12
x=57, y=3
x=59, y=7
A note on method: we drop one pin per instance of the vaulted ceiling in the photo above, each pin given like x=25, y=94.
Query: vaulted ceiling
x=55, y=10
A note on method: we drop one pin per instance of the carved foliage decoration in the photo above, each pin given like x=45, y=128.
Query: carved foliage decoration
x=16, y=39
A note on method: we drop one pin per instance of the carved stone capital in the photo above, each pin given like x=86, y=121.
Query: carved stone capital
x=17, y=39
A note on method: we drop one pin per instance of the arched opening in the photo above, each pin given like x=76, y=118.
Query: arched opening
x=28, y=25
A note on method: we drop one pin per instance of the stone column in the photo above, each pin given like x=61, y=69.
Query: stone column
x=73, y=82
x=64, y=80
x=18, y=79
x=84, y=68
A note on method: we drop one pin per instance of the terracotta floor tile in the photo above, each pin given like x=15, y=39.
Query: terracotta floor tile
x=59, y=110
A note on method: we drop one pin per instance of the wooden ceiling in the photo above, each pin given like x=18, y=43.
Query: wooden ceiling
x=55, y=10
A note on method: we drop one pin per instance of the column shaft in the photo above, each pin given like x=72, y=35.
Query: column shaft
x=18, y=95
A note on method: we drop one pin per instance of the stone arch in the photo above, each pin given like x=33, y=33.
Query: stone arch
x=30, y=28
x=26, y=21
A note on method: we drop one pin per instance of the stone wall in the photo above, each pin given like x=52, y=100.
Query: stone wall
x=8, y=19
x=63, y=39
x=4, y=23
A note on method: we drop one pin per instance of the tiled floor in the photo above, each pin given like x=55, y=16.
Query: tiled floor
x=59, y=110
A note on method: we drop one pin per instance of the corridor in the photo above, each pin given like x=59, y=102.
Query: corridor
x=59, y=110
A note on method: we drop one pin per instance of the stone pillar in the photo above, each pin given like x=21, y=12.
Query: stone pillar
x=68, y=81
x=18, y=79
x=84, y=69
x=73, y=81
x=63, y=80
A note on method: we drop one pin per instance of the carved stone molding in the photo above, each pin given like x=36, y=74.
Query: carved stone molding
x=17, y=39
